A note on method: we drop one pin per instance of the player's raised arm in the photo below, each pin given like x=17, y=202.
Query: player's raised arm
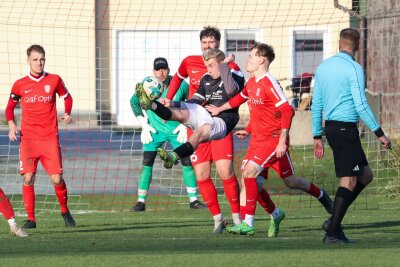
x=177, y=79
x=233, y=82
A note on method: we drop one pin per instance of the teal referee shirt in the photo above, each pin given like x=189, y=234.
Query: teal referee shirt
x=339, y=93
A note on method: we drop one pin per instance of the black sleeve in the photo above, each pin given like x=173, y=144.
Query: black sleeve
x=200, y=96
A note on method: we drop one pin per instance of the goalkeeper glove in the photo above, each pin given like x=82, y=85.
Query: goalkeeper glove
x=181, y=130
x=145, y=136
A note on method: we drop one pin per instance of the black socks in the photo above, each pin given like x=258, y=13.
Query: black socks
x=184, y=150
x=343, y=199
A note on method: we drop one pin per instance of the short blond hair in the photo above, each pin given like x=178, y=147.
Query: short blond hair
x=213, y=53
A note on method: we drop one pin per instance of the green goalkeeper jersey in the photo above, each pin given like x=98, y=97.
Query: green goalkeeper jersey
x=160, y=125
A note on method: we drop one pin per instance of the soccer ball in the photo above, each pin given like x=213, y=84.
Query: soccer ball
x=153, y=87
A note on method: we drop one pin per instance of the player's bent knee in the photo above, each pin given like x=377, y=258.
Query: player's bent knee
x=149, y=157
x=29, y=179
x=56, y=179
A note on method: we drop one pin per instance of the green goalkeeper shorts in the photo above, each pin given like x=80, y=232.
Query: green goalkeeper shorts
x=159, y=139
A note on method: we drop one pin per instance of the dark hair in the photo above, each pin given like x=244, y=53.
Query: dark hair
x=36, y=48
x=209, y=31
x=264, y=50
x=351, y=35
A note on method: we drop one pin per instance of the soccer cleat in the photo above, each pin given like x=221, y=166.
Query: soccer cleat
x=338, y=238
x=69, y=221
x=273, y=228
x=327, y=224
x=28, y=224
x=140, y=206
x=327, y=202
x=17, y=231
x=144, y=101
x=241, y=229
x=170, y=158
x=197, y=205
x=219, y=226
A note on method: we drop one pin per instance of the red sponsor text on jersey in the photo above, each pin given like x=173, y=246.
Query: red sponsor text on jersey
x=38, y=102
x=264, y=97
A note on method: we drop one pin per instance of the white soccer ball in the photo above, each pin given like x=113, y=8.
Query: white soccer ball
x=153, y=87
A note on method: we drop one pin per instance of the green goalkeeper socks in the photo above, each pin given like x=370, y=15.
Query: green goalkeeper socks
x=189, y=179
x=144, y=182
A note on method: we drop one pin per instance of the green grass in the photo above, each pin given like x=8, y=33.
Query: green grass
x=183, y=237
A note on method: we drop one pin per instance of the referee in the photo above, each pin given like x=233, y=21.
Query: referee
x=339, y=94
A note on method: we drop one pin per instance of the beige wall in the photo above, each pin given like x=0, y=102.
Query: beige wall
x=68, y=33
x=275, y=21
x=65, y=30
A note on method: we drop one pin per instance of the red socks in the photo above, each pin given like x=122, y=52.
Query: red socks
x=5, y=206
x=210, y=196
x=314, y=190
x=265, y=201
x=251, y=195
x=231, y=188
x=61, y=193
x=28, y=196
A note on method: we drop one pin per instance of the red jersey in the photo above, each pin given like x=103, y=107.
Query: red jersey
x=269, y=108
x=194, y=68
x=38, y=102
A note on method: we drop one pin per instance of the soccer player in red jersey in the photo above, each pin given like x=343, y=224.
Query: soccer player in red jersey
x=39, y=130
x=292, y=182
x=8, y=213
x=269, y=141
x=219, y=151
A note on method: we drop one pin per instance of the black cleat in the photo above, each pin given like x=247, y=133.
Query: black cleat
x=197, y=205
x=28, y=224
x=337, y=238
x=69, y=221
x=140, y=206
x=327, y=224
x=327, y=202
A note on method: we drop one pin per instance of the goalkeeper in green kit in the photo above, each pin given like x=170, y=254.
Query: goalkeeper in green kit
x=155, y=132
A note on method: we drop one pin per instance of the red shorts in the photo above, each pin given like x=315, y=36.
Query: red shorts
x=48, y=151
x=213, y=150
x=264, y=155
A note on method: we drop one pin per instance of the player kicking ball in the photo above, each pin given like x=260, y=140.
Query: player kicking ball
x=216, y=87
x=271, y=118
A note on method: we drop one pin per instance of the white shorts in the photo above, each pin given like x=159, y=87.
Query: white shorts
x=199, y=116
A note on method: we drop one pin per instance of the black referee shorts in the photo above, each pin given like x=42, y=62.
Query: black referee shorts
x=348, y=155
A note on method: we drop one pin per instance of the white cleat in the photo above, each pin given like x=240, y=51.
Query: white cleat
x=219, y=226
x=17, y=231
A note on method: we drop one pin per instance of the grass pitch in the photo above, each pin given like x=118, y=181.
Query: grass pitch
x=184, y=238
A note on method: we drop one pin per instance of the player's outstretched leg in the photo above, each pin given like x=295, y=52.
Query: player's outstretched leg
x=144, y=101
x=170, y=158
x=276, y=218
